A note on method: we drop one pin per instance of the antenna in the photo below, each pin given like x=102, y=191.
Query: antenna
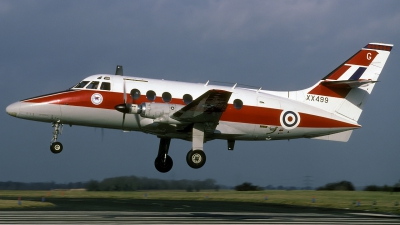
x=119, y=70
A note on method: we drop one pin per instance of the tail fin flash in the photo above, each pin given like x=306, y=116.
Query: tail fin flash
x=345, y=90
x=372, y=57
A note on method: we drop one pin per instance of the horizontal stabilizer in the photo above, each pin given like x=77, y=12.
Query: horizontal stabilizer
x=346, y=83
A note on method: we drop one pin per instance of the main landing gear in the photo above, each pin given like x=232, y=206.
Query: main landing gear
x=163, y=162
x=56, y=147
x=195, y=158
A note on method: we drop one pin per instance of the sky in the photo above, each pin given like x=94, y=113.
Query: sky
x=49, y=46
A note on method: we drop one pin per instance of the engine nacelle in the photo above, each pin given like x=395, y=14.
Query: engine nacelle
x=135, y=109
x=160, y=112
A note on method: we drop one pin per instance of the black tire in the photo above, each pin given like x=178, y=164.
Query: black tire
x=162, y=166
x=196, y=158
x=56, y=147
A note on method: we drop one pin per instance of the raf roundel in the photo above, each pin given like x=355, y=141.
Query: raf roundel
x=97, y=98
x=289, y=119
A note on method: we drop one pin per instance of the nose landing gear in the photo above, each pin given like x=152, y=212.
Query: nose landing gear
x=56, y=147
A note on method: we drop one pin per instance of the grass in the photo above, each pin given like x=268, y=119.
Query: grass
x=13, y=204
x=384, y=201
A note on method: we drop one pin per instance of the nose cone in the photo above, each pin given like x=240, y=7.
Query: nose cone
x=13, y=109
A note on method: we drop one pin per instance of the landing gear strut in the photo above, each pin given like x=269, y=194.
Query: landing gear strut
x=163, y=162
x=56, y=147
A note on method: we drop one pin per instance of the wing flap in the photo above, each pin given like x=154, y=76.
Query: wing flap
x=207, y=108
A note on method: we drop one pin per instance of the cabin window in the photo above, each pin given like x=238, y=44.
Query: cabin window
x=166, y=97
x=105, y=86
x=93, y=85
x=135, y=93
x=151, y=95
x=82, y=84
x=238, y=104
x=187, y=99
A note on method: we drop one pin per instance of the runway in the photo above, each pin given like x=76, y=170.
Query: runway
x=115, y=217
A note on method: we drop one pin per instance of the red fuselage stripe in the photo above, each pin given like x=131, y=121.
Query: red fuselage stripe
x=247, y=114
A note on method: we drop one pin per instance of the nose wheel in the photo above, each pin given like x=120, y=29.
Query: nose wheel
x=56, y=146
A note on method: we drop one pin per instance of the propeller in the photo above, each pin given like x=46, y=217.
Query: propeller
x=125, y=107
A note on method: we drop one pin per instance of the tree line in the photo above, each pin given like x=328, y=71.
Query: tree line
x=123, y=183
x=11, y=185
x=133, y=183
x=348, y=186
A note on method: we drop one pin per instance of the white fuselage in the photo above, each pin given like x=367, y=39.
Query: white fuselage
x=260, y=117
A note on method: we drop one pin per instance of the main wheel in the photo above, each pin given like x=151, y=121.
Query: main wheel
x=56, y=147
x=163, y=166
x=196, y=158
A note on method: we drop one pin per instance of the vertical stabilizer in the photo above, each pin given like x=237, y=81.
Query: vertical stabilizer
x=345, y=90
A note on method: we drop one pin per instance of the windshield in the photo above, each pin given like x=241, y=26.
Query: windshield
x=93, y=85
x=82, y=84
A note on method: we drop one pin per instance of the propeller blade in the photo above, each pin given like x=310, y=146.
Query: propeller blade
x=137, y=117
x=123, y=121
x=124, y=92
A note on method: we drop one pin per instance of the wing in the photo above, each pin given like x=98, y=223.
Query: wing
x=207, y=108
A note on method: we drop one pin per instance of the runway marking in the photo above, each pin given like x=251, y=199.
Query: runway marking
x=117, y=217
x=376, y=215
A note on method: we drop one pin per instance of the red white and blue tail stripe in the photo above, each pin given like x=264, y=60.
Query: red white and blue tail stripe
x=345, y=89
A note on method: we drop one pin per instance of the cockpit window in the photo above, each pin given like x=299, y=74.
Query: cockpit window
x=82, y=84
x=105, y=86
x=93, y=85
